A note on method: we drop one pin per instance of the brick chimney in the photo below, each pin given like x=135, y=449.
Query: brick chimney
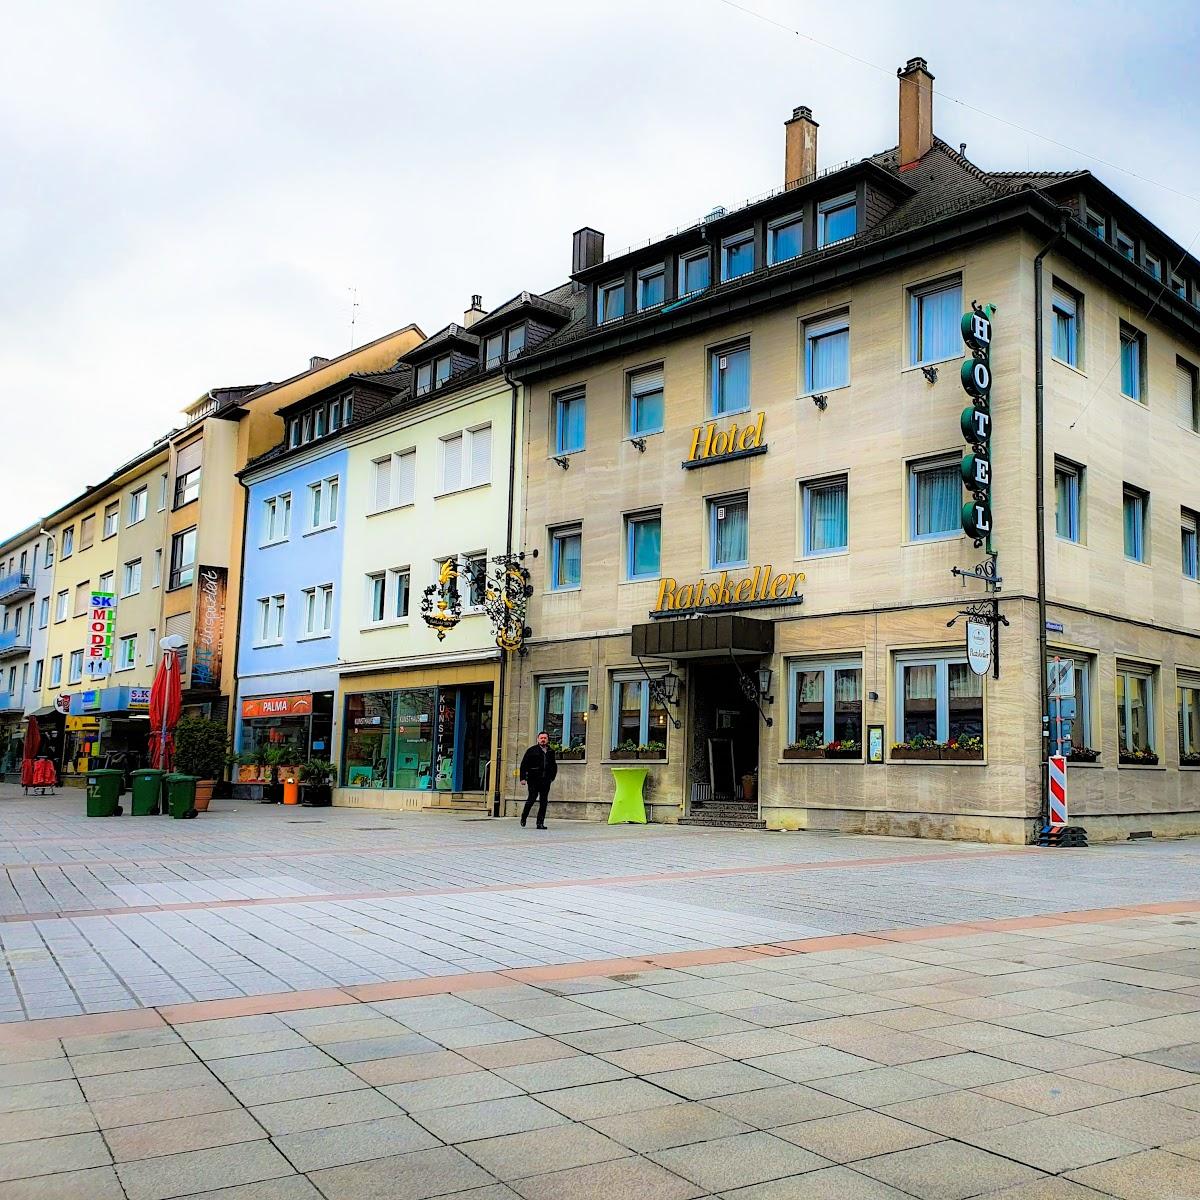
x=916, y=112
x=587, y=249
x=474, y=312
x=800, y=147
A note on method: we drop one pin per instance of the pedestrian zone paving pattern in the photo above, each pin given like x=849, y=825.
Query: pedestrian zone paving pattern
x=271, y=1005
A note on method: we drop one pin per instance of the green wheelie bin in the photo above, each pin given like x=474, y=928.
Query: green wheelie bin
x=181, y=795
x=147, y=791
x=103, y=792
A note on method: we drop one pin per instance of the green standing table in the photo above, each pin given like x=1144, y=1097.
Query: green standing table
x=628, y=807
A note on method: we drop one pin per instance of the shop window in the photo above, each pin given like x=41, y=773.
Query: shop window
x=939, y=702
x=183, y=559
x=728, y=531
x=318, y=610
x=75, y=672
x=56, y=671
x=837, y=220
x=646, y=402
x=825, y=515
x=639, y=722
x=269, y=620
x=1188, y=704
x=127, y=653
x=729, y=372
x=1134, y=503
x=643, y=545
x=563, y=713
x=827, y=353
x=367, y=740
x=826, y=703
x=566, y=558
x=785, y=238
x=934, y=499
x=570, y=422
x=1068, y=489
x=1069, y=677
x=693, y=272
x=1133, y=358
x=1136, y=732
x=1067, y=307
x=934, y=312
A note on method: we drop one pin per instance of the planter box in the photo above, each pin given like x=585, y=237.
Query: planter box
x=798, y=754
x=251, y=790
x=316, y=795
x=1093, y=757
x=637, y=756
x=571, y=755
x=925, y=754
x=1128, y=761
x=962, y=755
x=844, y=753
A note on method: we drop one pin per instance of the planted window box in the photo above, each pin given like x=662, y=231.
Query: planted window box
x=924, y=749
x=847, y=748
x=806, y=748
x=1189, y=760
x=649, y=751
x=1138, y=758
x=1085, y=754
x=568, y=753
x=963, y=749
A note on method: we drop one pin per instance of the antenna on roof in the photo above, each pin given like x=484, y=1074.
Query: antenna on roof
x=353, y=312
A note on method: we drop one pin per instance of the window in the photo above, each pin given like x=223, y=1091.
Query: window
x=1134, y=504
x=637, y=718
x=38, y=670
x=785, y=238
x=49, y=556
x=277, y=519
x=646, y=402
x=347, y=409
x=399, y=580
x=1132, y=378
x=87, y=532
x=83, y=597
x=826, y=701
x=730, y=371
x=75, y=667
x=1187, y=542
x=939, y=699
x=466, y=459
x=728, y=531
x=323, y=503
x=319, y=422
x=112, y=520
x=610, y=301
x=394, y=480
x=1179, y=287
x=1094, y=223
x=335, y=416
x=424, y=378
x=60, y=606
x=1187, y=696
x=56, y=671
x=293, y=433
x=1076, y=731
x=137, y=507
x=158, y=557
x=493, y=351
x=827, y=353
x=693, y=272
x=68, y=541
x=566, y=558
x=474, y=570
x=1135, y=711
x=162, y=491
x=318, y=610
x=737, y=255
x=935, y=310
x=131, y=578
x=44, y=612
x=1067, y=480
x=376, y=597
x=127, y=652
x=651, y=287
x=1125, y=245
x=187, y=473
x=1154, y=265
x=1187, y=395
x=1065, y=307
x=442, y=368
x=836, y=220
x=151, y=644
x=183, y=559
x=643, y=545
x=268, y=626
x=570, y=422
x=106, y=582
x=306, y=427
x=824, y=506
x=563, y=712
x=934, y=499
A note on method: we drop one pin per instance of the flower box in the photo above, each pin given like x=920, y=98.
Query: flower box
x=843, y=752
x=638, y=755
x=797, y=753
x=957, y=755
x=1081, y=754
x=923, y=753
x=574, y=755
x=1189, y=760
x=1142, y=759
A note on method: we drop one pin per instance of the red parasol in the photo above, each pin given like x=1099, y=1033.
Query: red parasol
x=166, y=701
x=33, y=739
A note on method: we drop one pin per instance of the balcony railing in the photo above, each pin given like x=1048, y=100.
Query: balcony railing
x=13, y=643
x=16, y=586
x=11, y=703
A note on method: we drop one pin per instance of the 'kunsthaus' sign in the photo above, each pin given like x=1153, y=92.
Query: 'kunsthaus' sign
x=976, y=421
x=759, y=588
x=712, y=445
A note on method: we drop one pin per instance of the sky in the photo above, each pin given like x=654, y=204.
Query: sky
x=189, y=192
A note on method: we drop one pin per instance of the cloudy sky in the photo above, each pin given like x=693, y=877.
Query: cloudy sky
x=188, y=192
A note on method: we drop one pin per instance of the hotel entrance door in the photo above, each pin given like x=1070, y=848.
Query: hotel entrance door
x=723, y=742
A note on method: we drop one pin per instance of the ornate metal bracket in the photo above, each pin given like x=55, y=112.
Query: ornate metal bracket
x=749, y=686
x=504, y=589
x=664, y=689
x=986, y=610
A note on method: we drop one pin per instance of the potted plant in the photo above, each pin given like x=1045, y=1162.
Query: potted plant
x=656, y=751
x=811, y=746
x=918, y=746
x=274, y=757
x=567, y=753
x=1189, y=759
x=964, y=748
x=625, y=750
x=315, y=783
x=844, y=748
x=1085, y=754
x=224, y=786
x=1137, y=758
x=200, y=747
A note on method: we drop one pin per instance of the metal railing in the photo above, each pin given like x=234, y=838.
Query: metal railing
x=15, y=586
x=12, y=642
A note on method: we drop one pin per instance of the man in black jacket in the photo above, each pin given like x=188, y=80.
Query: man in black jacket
x=538, y=769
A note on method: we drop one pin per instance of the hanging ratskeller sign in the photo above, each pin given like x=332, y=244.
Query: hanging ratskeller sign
x=976, y=421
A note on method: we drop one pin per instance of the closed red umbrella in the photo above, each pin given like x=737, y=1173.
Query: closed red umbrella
x=166, y=701
x=33, y=739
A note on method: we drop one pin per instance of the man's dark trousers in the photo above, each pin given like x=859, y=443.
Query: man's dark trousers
x=539, y=793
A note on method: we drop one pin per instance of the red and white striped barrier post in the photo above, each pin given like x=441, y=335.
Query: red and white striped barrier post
x=1056, y=765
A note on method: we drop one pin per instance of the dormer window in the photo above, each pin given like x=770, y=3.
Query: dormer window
x=306, y=427
x=441, y=370
x=516, y=341
x=737, y=255
x=1125, y=246
x=335, y=416
x=837, y=220
x=785, y=239
x=293, y=433
x=1093, y=222
x=347, y=410
x=424, y=378
x=610, y=301
x=1179, y=287
x=493, y=351
x=319, y=422
x=651, y=287
x=693, y=272
x=1154, y=265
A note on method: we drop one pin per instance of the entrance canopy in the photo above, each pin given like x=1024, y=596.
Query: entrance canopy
x=703, y=637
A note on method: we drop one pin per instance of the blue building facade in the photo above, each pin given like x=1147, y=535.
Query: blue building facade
x=291, y=583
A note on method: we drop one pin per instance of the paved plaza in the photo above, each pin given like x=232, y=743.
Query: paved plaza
x=279, y=1004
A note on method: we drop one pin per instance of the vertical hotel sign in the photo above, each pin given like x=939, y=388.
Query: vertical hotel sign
x=209, y=634
x=102, y=620
x=976, y=422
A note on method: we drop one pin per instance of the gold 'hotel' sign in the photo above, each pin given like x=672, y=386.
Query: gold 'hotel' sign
x=712, y=445
x=761, y=587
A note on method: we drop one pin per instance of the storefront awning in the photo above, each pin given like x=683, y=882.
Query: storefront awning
x=703, y=637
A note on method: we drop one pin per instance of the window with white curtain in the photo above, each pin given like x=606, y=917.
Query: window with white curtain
x=1136, y=733
x=570, y=421
x=646, y=402
x=1133, y=346
x=934, y=499
x=1134, y=503
x=729, y=369
x=137, y=507
x=728, y=531
x=938, y=698
x=1187, y=539
x=56, y=670
x=1068, y=487
x=643, y=545
x=566, y=558
x=824, y=515
x=826, y=700
x=1066, y=307
x=935, y=310
x=827, y=353
x=638, y=719
x=1187, y=395
x=1187, y=695
x=563, y=711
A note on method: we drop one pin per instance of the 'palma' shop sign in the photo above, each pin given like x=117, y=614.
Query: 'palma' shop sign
x=976, y=421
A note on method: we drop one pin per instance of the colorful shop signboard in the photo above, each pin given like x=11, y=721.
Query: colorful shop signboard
x=102, y=620
x=758, y=588
x=299, y=705
x=976, y=422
